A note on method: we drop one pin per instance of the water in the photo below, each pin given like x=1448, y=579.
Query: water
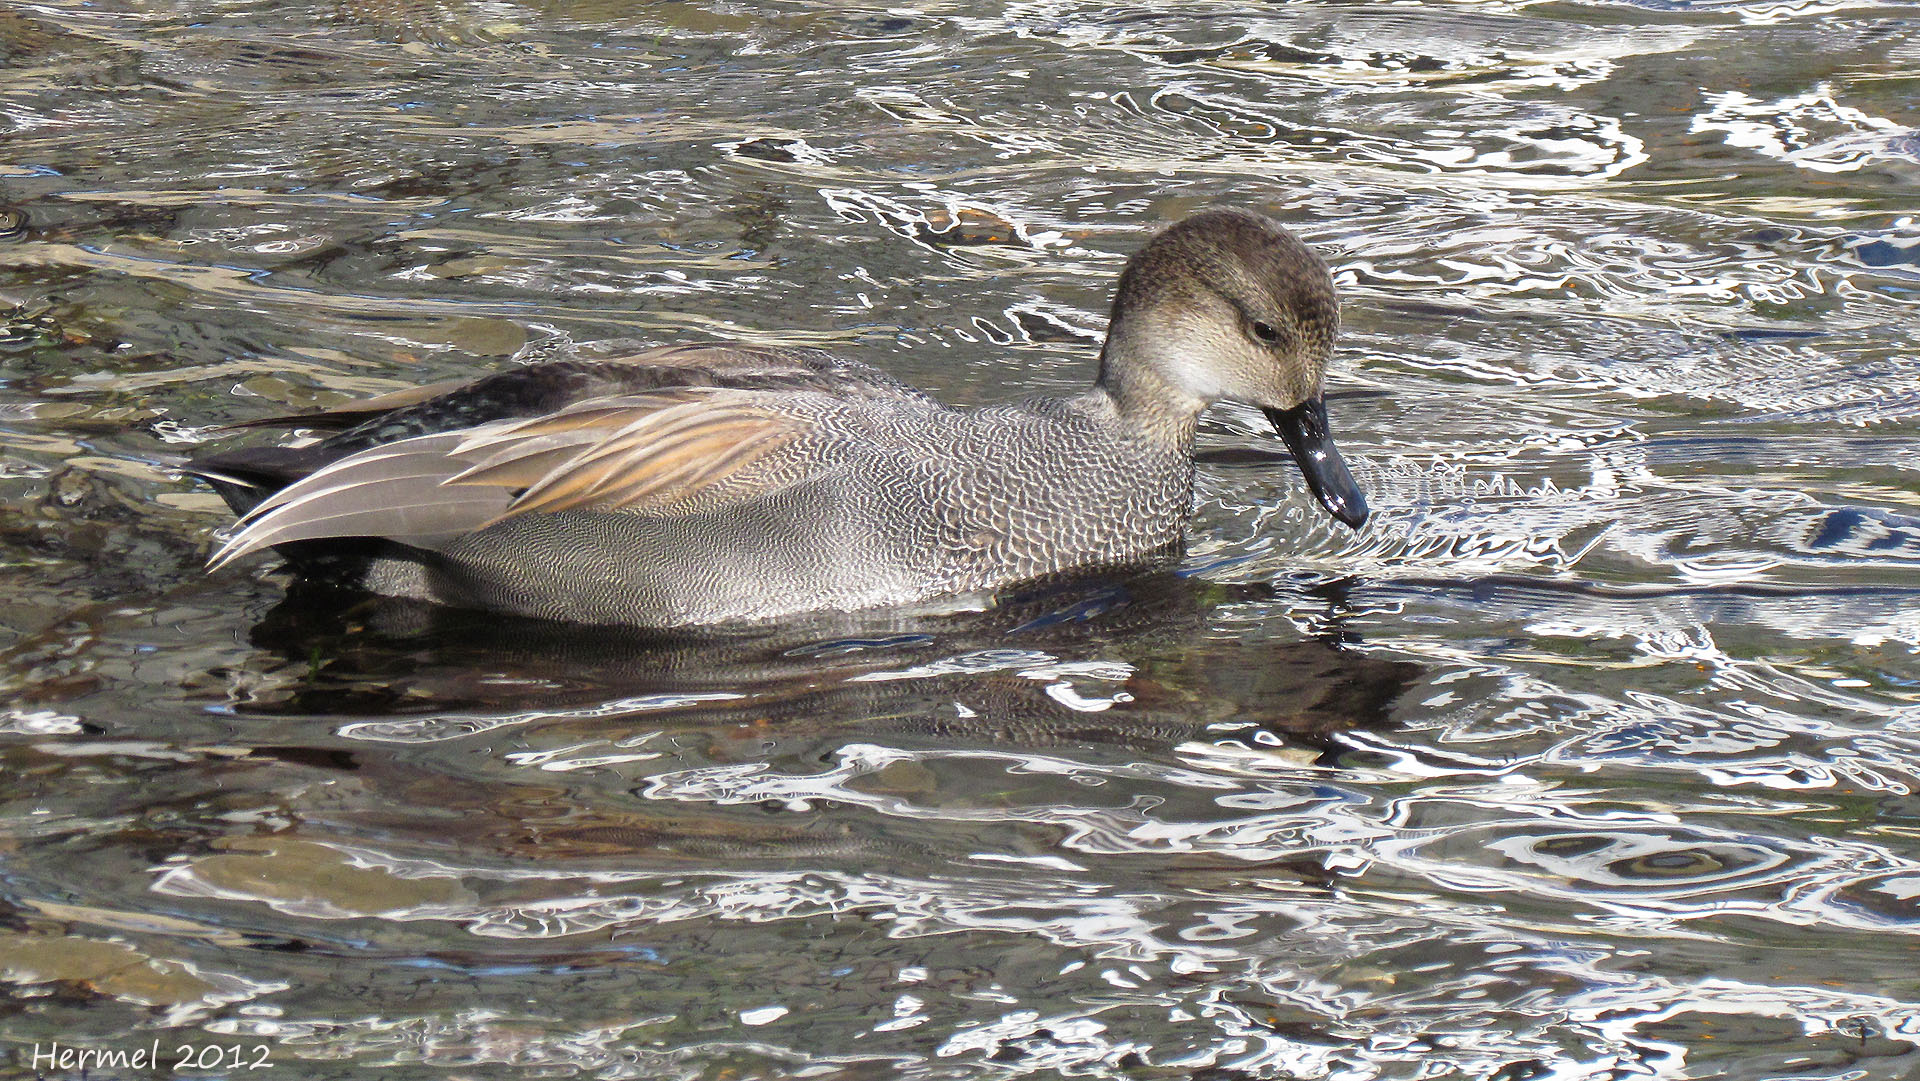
x=1594, y=755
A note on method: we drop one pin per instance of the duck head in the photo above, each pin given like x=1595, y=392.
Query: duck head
x=1230, y=305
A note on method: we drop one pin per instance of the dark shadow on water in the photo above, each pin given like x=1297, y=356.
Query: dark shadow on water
x=1147, y=646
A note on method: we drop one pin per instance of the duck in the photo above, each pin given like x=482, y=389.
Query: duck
x=697, y=484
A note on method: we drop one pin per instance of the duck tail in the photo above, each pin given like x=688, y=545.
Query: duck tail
x=247, y=476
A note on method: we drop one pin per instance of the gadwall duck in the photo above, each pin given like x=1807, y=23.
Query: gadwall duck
x=697, y=484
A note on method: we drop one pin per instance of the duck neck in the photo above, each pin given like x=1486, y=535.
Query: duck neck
x=1149, y=407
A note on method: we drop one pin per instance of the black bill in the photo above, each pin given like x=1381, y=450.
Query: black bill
x=1304, y=428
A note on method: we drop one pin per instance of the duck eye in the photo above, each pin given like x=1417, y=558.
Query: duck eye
x=1266, y=332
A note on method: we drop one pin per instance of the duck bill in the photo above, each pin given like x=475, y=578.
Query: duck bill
x=1304, y=429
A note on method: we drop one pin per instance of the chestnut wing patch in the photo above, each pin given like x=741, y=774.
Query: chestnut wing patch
x=663, y=453
x=627, y=452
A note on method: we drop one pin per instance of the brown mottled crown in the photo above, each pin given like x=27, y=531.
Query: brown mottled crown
x=1250, y=261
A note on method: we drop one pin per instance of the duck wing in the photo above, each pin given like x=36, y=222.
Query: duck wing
x=567, y=374
x=681, y=450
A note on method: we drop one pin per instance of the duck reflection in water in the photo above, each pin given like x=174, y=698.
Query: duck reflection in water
x=1120, y=661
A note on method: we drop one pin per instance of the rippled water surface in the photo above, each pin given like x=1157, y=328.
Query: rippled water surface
x=1594, y=755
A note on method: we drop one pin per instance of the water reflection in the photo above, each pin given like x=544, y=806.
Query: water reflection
x=1127, y=661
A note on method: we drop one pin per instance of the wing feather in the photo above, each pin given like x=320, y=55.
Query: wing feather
x=634, y=470
x=395, y=491
x=423, y=525
x=518, y=466
x=655, y=453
